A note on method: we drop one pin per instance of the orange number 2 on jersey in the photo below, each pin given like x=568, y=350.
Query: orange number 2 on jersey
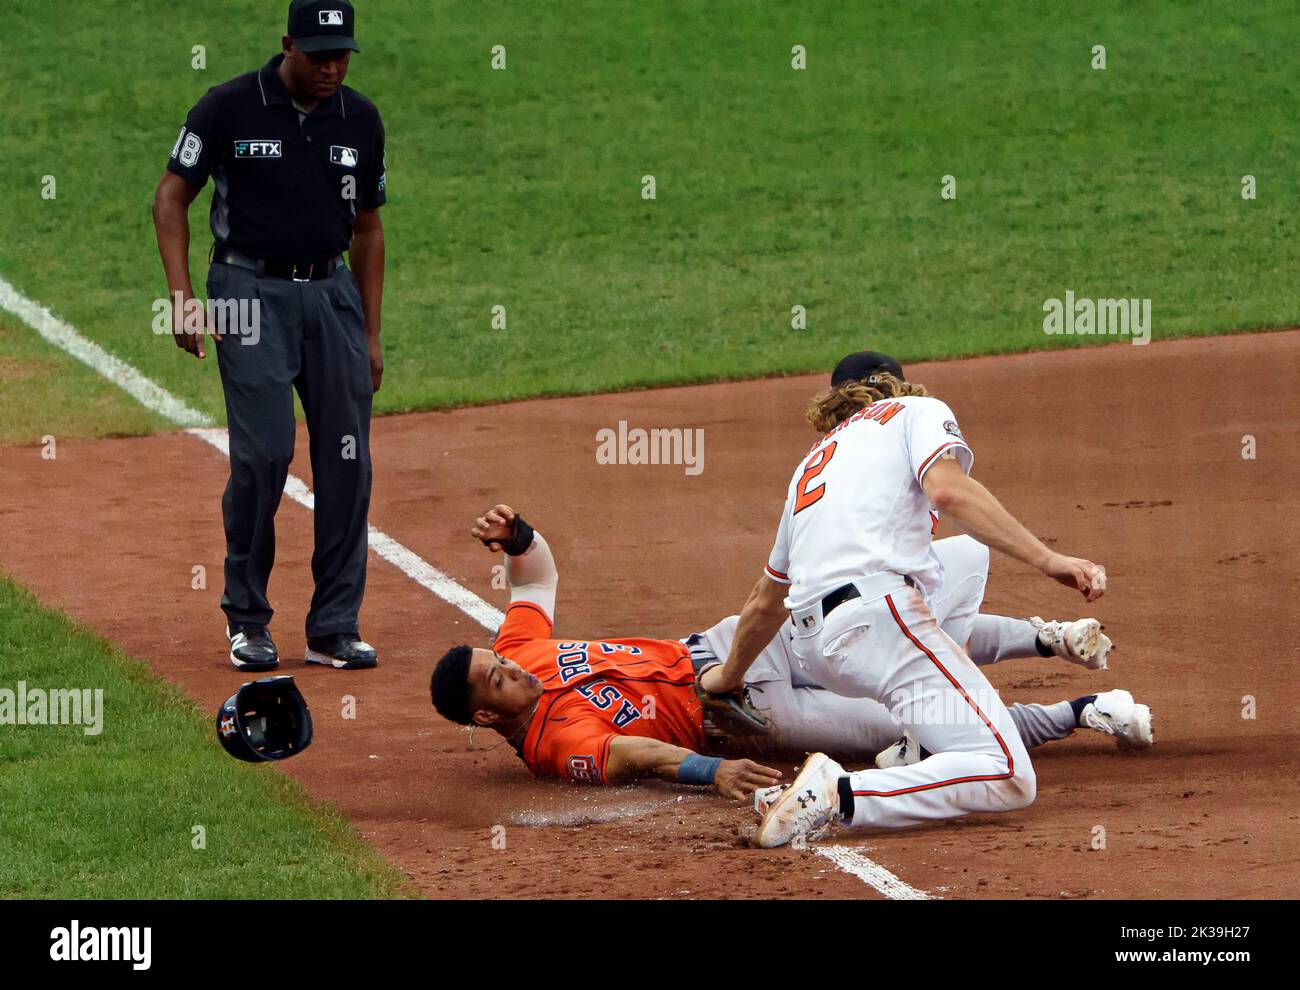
x=816, y=464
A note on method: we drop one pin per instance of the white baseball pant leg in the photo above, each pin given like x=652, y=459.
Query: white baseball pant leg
x=807, y=718
x=988, y=639
x=892, y=649
x=956, y=603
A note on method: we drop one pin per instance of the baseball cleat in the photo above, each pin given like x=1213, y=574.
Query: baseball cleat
x=1080, y=641
x=807, y=808
x=903, y=753
x=251, y=648
x=765, y=797
x=1117, y=714
x=341, y=652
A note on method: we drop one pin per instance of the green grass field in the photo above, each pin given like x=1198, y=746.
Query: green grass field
x=522, y=188
x=111, y=815
x=775, y=187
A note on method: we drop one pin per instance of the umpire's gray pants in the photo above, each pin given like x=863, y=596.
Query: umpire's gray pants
x=310, y=337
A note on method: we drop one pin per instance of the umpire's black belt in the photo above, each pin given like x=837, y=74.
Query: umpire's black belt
x=286, y=268
x=848, y=592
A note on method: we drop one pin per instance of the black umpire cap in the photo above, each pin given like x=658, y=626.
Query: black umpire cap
x=858, y=366
x=322, y=25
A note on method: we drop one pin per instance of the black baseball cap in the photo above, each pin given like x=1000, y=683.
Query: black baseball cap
x=858, y=366
x=322, y=25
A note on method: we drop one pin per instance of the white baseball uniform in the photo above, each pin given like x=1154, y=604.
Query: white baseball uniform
x=856, y=513
x=806, y=718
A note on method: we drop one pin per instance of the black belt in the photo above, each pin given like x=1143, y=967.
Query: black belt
x=846, y=593
x=287, y=268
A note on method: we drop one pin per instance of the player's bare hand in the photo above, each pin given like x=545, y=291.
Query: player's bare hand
x=1084, y=576
x=740, y=778
x=498, y=523
x=715, y=680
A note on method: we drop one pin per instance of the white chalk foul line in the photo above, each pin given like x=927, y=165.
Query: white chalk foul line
x=146, y=392
x=872, y=873
x=404, y=559
x=153, y=396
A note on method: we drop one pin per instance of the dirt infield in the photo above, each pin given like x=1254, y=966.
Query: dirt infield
x=1130, y=455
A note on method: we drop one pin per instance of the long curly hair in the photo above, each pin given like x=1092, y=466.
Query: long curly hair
x=833, y=405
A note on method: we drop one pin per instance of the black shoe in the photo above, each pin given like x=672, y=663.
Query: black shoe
x=342, y=652
x=251, y=648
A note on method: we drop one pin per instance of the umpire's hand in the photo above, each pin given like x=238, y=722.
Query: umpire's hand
x=192, y=339
x=376, y=362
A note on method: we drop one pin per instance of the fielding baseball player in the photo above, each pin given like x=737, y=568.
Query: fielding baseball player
x=611, y=710
x=854, y=572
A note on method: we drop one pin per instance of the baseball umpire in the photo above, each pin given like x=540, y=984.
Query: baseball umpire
x=297, y=163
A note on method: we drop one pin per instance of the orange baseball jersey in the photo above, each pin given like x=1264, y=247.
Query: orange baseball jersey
x=596, y=690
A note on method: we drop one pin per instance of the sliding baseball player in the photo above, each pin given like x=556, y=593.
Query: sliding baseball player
x=611, y=710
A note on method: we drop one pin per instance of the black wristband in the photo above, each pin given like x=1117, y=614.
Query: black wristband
x=519, y=542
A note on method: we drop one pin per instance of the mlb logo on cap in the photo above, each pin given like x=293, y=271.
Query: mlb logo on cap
x=322, y=25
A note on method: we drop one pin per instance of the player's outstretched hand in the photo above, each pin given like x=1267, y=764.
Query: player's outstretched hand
x=740, y=778
x=498, y=523
x=1087, y=578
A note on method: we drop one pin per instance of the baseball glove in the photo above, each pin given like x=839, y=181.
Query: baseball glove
x=732, y=713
